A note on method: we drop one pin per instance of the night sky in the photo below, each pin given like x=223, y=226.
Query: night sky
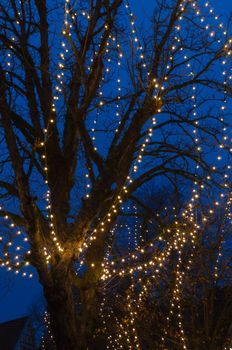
x=18, y=294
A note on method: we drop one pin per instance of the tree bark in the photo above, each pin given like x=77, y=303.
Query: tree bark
x=63, y=316
x=88, y=317
x=72, y=327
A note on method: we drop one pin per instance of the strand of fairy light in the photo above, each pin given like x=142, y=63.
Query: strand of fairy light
x=101, y=102
x=132, y=314
x=175, y=301
x=100, y=89
x=136, y=231
x=58, y=89
x=127, y=327
x=222, y=239
x=225, y=137
x=102, y=313
x=146, y=266
x=113, y=210
x=118, y=111
x=134, y=33
x=48, y=330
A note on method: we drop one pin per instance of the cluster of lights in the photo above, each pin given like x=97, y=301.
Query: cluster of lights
x=16, y=264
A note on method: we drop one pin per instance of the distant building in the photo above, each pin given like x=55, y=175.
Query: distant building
x=17, y=335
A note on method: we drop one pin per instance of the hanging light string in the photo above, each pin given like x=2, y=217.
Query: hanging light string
x=222, y=239
x=66, y=32
x=134, y=35
x=182, y=239
x=118, y=103
x=106, y=311
x=48, y=333
x=112, y=41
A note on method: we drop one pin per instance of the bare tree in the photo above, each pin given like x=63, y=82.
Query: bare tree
x=60, y=76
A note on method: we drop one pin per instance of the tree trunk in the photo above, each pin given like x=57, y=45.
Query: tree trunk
x=74, y=316
x=72, y=327
x=88, y=316
x=63, y=316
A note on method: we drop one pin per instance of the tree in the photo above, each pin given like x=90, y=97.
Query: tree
x=204, y=296
x=83, y=100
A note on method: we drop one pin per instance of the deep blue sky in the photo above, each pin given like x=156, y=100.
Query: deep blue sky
x=144, y=7
x=16, y=293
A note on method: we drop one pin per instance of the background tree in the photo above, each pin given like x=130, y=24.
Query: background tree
x=83, y=101
x=204, y=297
